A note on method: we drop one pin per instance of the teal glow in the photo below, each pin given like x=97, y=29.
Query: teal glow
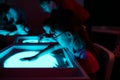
x=45, y=6
x=30, y=41
x=27, y=39
x=20, y=30
x=47, y=29
x=43, y=40
x=12, y=14
x=44, y=61
x=4, y=32
x=46, y=40
x=31, y=47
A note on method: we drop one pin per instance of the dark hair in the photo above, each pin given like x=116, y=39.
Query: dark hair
x=66, y=20
x=4, y=8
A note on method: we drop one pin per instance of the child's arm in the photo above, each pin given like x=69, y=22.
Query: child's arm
x=43, y=52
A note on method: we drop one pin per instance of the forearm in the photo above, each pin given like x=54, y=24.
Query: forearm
x=49, y=49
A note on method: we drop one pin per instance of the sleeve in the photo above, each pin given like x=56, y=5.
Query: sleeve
x=90, y=63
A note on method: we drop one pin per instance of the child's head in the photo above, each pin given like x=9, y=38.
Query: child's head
x=66, y=26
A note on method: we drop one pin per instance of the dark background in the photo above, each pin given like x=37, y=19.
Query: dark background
x=104, y=12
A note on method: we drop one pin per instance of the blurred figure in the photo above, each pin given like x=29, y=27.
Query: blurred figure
x=11, y=23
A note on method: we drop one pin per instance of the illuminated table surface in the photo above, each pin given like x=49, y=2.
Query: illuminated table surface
x=33, y=39
x=58, y=65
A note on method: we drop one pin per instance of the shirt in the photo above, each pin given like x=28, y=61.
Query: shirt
x=89, y=63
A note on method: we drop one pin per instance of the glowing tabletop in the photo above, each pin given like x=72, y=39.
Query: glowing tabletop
x=58, y=65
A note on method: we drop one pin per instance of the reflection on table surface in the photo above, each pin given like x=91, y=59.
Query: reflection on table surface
x=49, y=60
x=34, y=39
x=58, y=64
x=44, y=61
x=11, y=56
